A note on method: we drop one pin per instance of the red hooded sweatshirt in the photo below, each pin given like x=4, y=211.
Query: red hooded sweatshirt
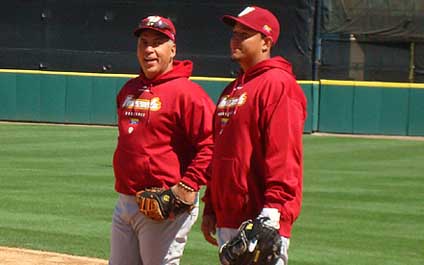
x=165, y=132
x=257, y=161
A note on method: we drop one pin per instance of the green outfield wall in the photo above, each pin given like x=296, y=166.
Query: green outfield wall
x=333, y=106
x=371, y=108
x=59, y=98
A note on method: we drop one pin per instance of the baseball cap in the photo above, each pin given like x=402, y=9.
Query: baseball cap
x=157, y=23
x=258, y=19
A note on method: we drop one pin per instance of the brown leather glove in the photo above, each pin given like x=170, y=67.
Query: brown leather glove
x=160, y=204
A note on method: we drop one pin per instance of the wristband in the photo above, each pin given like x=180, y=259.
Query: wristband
x=186, y=187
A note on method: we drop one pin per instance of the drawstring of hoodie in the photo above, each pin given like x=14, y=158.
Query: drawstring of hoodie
x=147, y=88
x=150, y=90
x=237, y=86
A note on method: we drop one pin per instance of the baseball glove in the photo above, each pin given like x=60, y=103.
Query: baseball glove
x=255, y=243
x=160, y=204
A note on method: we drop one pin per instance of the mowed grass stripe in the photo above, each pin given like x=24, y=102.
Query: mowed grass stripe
x=363, y=201
x=58, y=188
x=363, y=198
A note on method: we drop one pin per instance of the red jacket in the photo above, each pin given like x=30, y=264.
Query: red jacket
x=165, y=132
x=257, y=161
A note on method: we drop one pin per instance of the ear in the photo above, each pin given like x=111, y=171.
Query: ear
x=266, y=44
x=173, y=49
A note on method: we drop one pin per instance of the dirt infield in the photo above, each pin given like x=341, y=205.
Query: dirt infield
x=17, y=256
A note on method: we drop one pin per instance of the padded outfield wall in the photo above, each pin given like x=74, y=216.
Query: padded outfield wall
x=87, y=98
x=333, y=106
x=371, y=108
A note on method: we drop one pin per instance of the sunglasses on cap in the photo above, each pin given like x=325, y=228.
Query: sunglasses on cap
x=159, y=24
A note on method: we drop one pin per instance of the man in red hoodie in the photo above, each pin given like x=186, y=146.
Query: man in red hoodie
x=258, y=127
x=165, y=141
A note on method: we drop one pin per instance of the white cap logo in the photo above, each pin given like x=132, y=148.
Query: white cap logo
x=153, y=19
x=246, y=11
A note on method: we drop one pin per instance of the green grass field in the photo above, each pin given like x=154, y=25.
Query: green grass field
x=363, y=198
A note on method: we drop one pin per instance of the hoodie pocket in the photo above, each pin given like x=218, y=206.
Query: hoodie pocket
x=135, y=168
x=230, y=185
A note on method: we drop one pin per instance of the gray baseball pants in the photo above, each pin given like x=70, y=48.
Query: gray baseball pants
x=138, y=240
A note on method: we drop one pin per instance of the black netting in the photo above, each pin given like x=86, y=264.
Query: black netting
x=82, y=35
x=419, y=62
x=96, y=36
x=351, y=60
x=379, y=20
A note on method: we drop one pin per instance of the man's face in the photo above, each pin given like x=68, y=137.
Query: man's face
x=246, y=45
x=155, y=53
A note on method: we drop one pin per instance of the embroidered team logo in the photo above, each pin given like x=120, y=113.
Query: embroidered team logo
x=228, y=102
x=134, y=121
x=267, y=28
x=224, y=121
x=153, y=104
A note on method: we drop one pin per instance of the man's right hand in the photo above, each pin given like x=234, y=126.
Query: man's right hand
x=208, y=228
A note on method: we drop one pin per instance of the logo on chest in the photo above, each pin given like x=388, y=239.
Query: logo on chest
x=228, y=106
x=140, y=104
x=230, y=102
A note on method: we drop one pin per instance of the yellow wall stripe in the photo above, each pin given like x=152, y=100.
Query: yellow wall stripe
x=216, y=79
x=223, y=79
x=371, y=84
x=38, y=72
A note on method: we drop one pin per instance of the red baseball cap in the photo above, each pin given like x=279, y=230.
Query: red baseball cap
x=258, y=19
x=157, y=23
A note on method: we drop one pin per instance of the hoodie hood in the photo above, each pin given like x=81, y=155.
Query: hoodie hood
x=259, y=68
x=179, y=69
